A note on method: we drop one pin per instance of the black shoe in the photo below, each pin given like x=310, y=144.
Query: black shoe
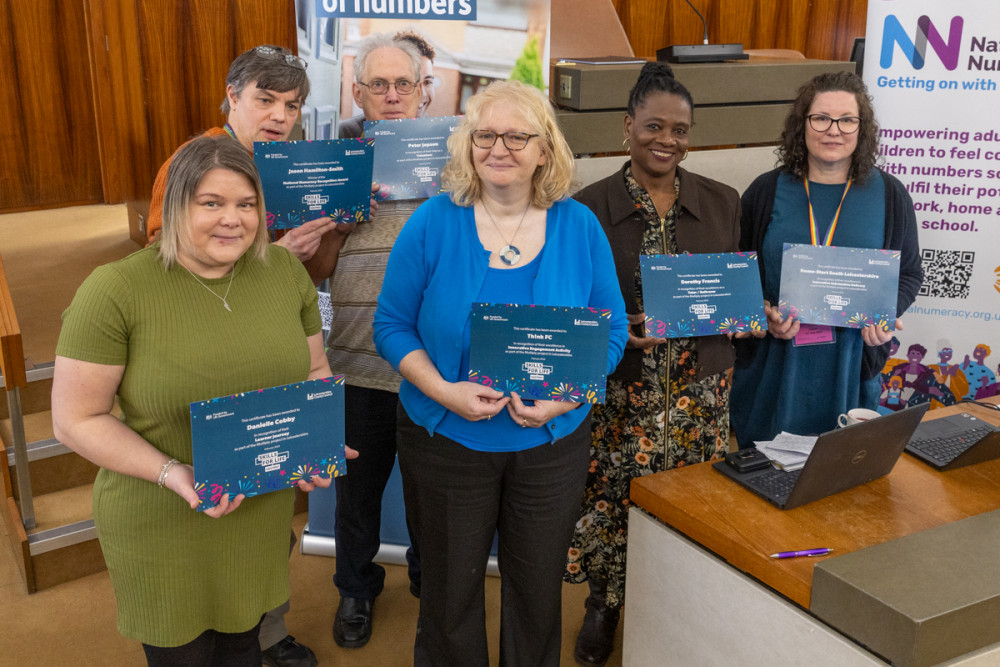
x=415, y=589
x=352, y=626
x=289, y=653
x=597, y=635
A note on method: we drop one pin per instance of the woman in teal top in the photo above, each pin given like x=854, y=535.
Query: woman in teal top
x=827, y=189
x=212, y=310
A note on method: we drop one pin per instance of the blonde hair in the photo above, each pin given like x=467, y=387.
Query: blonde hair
x=551, y=181
x=187, y=170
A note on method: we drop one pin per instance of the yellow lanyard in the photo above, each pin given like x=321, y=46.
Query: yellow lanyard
x=813, y=233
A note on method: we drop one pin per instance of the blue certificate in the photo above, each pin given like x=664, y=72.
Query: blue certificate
x=841, y=287
x=267, y=440
x=541, y=352
x=701, y=295
x=410, y=154
x=305, y=180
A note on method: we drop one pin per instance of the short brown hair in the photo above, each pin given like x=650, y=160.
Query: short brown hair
x=266, y=64
x=419, y=41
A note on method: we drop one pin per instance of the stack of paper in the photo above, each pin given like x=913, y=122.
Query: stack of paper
x=787, y=451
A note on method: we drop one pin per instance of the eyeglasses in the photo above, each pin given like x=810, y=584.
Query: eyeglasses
x=821, y=123
x=381, y=86
x=291, y=60
x=514, y=141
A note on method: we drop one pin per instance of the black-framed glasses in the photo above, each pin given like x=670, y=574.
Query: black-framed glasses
x=289, y=58
x=514, y=141
x=821, y=123
x=381, y=86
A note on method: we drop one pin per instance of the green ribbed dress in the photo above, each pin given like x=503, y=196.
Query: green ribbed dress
x=177, y=572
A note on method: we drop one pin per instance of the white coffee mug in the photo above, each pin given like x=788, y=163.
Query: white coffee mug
x=856, y=416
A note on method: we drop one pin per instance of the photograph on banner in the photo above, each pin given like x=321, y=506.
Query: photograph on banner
x=507, y=39
x=267, y=440
x=702, y=294
x=932, y=71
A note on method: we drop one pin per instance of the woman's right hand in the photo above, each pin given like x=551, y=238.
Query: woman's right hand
x=777, y=326
x=180, y=480
x=473, y=401
x=640, y=342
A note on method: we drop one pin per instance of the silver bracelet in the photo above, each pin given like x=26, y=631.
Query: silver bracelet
x=164, y=471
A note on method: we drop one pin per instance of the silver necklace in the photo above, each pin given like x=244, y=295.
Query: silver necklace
x=225, y=303
x=509, y=254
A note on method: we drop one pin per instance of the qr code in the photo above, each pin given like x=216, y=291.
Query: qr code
x=946, y=272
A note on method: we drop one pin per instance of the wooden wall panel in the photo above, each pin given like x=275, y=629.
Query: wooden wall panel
x=821, y=29
x=48, y=146
x=184, y=50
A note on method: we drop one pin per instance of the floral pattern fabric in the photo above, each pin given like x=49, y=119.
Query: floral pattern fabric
x=666, y=420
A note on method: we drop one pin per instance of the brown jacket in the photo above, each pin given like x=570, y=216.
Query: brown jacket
x=708, y=222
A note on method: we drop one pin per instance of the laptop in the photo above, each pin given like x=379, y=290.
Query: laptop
x=841, y=459
x=955, y=441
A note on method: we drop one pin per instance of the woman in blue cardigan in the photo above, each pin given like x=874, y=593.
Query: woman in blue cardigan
x=474, y=461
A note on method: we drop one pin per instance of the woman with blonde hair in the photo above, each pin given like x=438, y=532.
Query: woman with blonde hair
x=211, y=310
x=474, y=461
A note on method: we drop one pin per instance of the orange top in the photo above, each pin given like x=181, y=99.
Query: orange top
x=155, y=221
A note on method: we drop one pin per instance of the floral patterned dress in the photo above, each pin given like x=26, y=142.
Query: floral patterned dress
x=665, y=420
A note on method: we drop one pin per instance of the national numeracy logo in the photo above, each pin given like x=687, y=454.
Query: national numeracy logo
x=915, y=50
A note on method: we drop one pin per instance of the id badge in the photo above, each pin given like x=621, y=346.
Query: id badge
x=815, y=334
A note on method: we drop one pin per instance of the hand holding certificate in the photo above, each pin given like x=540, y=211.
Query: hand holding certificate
x=410, y=154
x=540, y=352
x=701, y=295
x=838, y=286
x=305, y=180
x=262, y=441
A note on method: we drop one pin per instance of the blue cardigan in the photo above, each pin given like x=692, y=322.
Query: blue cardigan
x=437, y=268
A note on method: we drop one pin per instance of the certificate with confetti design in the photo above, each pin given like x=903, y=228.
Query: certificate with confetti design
x=701, y=295
x=542, y=352
x=305, y=180
x=839, y=286
x=410, y=154
x=267, y=440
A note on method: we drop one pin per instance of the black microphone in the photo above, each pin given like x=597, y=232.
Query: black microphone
x=705, y=52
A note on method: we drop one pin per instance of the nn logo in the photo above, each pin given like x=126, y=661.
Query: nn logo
x=915, y=50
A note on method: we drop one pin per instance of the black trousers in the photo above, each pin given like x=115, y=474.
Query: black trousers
x=209, y=649
x=458, y=499
x=370, y=428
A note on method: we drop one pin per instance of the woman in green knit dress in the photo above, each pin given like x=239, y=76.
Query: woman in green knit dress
x=211, y=310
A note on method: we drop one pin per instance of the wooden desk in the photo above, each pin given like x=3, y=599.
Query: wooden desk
x=743, y=529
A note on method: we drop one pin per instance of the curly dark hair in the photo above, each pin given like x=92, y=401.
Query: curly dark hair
x=656, y=77
x=792, y=154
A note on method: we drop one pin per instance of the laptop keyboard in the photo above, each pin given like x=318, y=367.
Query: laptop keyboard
x=777, y=484
x=947, y=449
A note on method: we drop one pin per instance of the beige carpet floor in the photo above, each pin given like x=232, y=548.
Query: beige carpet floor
x=46, y=255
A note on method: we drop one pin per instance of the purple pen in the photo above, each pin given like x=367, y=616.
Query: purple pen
x=805, y=552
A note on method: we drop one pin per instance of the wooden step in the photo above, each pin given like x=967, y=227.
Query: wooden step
x=36, y=396
x=63, y=545
x=53, y=466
